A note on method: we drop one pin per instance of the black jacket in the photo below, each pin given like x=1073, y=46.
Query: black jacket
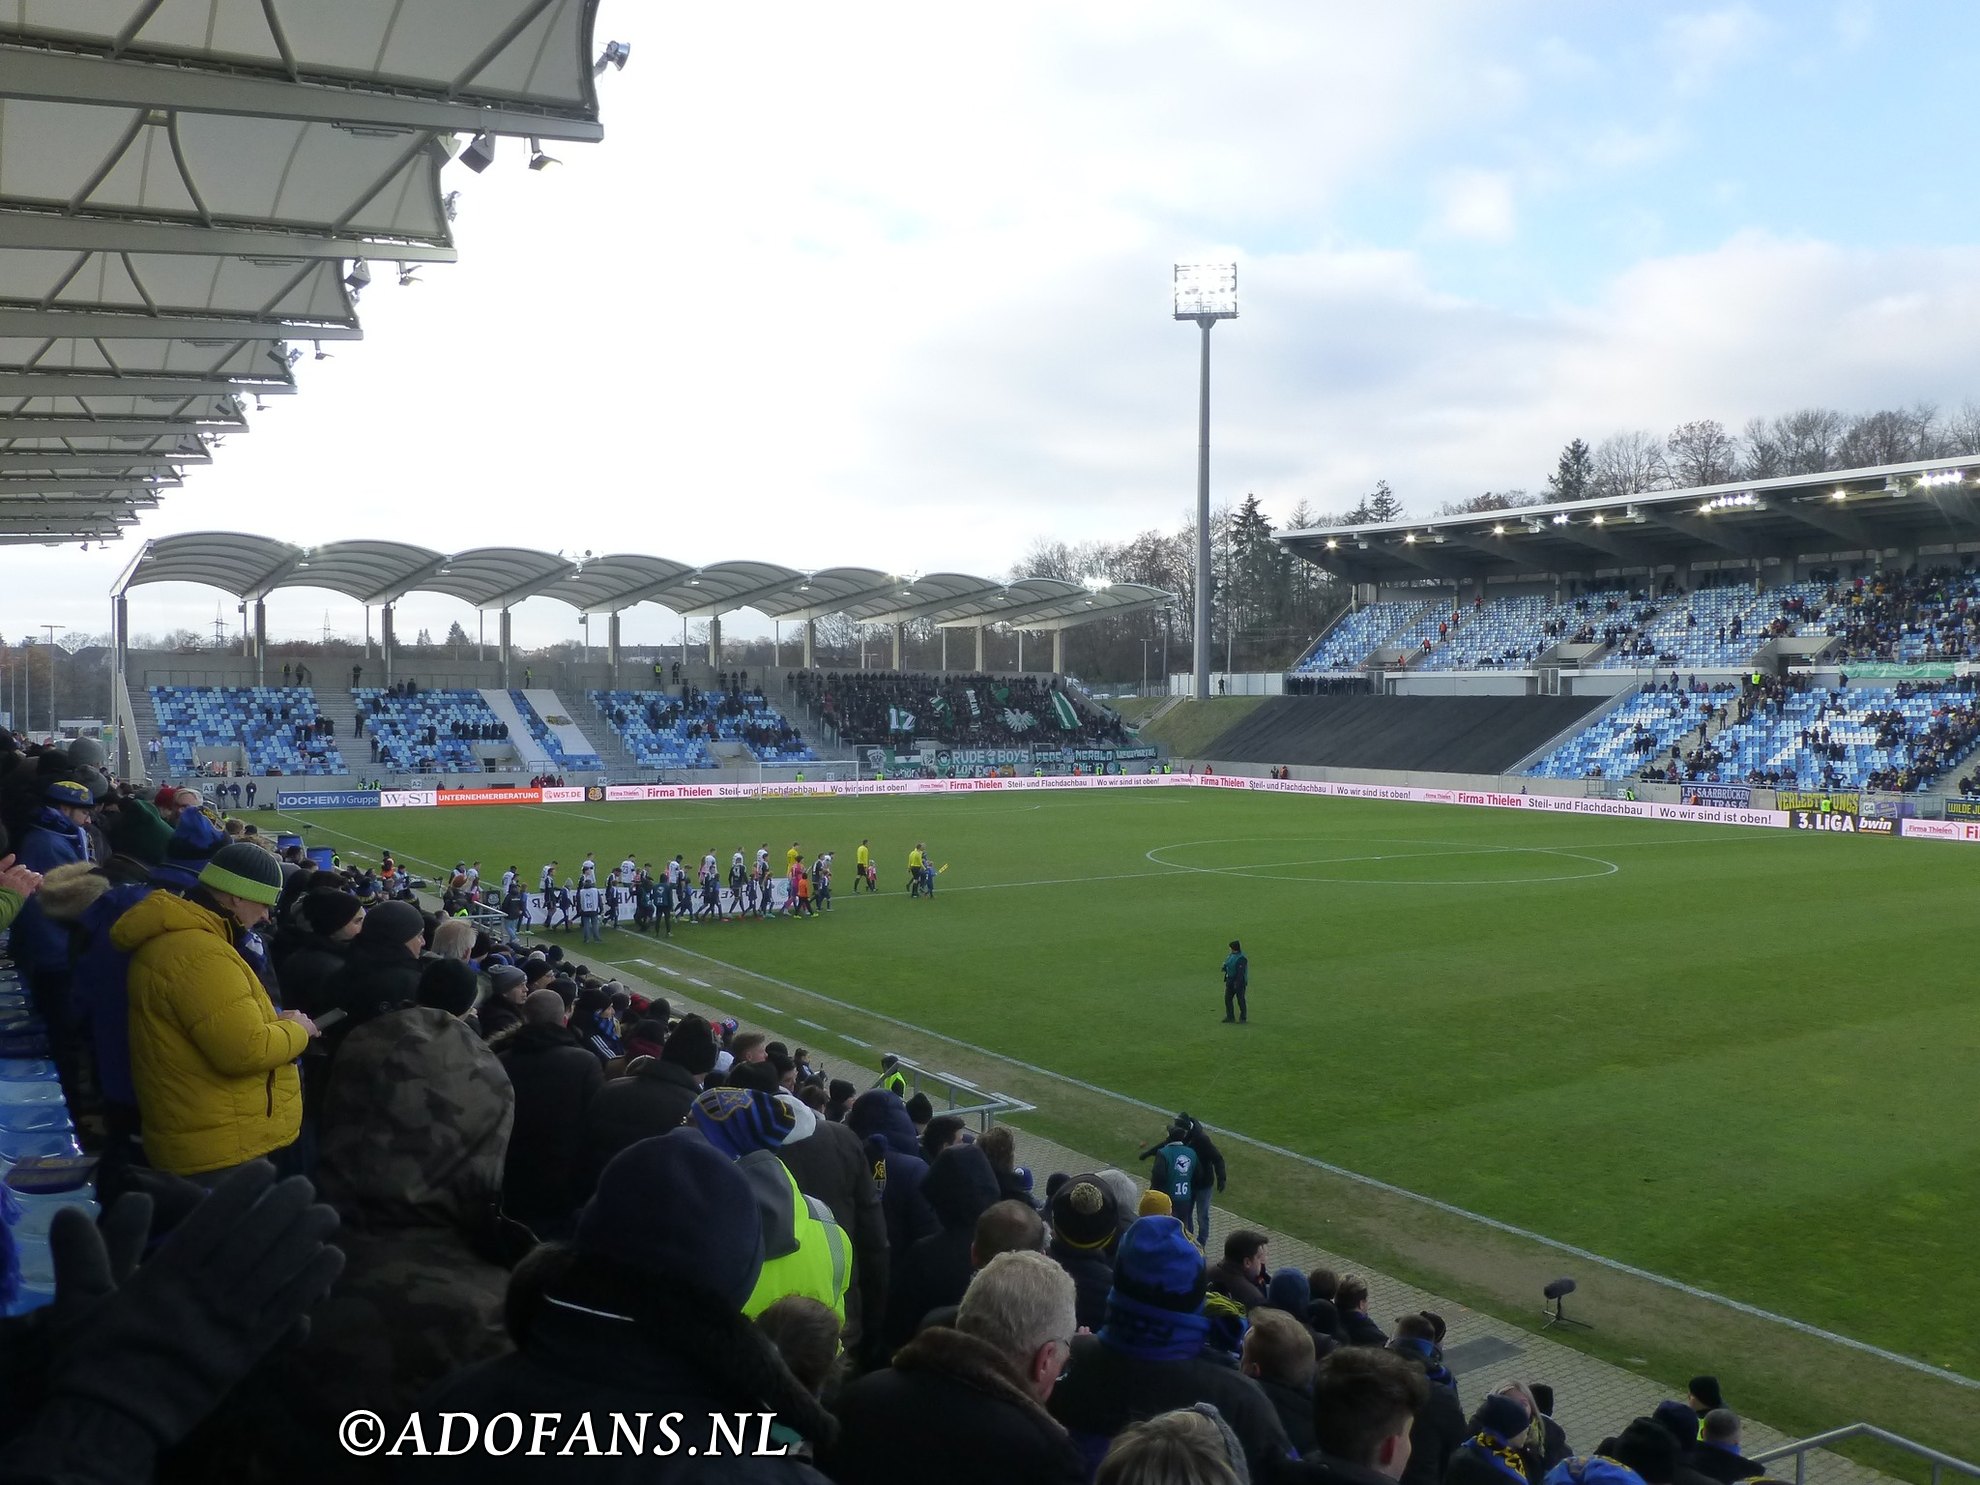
x=497, y=1016
x=1319, y=1469
x=951, y=1409
x=1294, y=1405
x=831, y=1167
x=575, y=1363
x=1092, y=1276
x=650, y=1101
x=1439, y=1428
x=376, y=978
x=936, y=1270
x=307, y=971
x=1361, y=1330
x=1723, y=1465
x=1209, y=1157
x=1225, y=1278
x=543, y=1181
x=1104, y=1390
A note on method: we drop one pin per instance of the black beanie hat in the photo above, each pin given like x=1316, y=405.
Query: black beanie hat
x=690, y=1046
x=447, y=985
x=391, y=923
x=1706, y=1390
x=1085, y=1214
x=919, y=1109
x=328, y=911
x=1648, y=1449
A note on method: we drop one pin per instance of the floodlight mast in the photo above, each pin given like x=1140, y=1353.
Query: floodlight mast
x=1205, y=293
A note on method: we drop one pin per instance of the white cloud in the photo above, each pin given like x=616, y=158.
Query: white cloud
x=1699, y=45
x=1477, y=205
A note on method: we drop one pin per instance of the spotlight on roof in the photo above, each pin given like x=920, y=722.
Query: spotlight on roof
x=1561, y=519
x=1332, y=544
x=358, y=277
x=1498, y=530
x=1597, y=518
x=408, y=275
x=321, y=354
x=1840, y=495
x=537, y=159
x=614, y=55
x=1940, y=477
x=480, y=153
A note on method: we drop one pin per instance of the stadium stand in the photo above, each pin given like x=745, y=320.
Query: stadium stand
x=1903, y=617
x=662, y=730
x=1358, y=635
x=1444, y=734
x=547, y=739
x=1507, y=632
x=428, y=731
x=1624, y=741
x=1891, y=738
x=278, y=728
x=871, y=706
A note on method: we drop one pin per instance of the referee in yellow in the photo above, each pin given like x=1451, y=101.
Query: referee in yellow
x=914, y=871
x=862, y=864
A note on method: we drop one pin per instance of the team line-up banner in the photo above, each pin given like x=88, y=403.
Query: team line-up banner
x=1559, y=804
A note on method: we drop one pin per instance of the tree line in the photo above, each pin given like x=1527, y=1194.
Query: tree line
x=1811, y=440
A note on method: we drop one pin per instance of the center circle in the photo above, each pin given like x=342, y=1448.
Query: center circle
x=1379, y=862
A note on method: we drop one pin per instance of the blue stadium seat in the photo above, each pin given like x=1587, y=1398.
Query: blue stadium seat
x=400, y=724
x=680, y=740
x=549, y=742
x=261, y=720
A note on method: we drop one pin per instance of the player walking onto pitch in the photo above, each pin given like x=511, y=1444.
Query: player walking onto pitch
x=1237, y=978
x=738, y=884
x=821, y=885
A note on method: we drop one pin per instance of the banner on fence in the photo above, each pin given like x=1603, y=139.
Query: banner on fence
x=488, y=796
x=1735, y=796
x=1838, y=801
x=326, y=799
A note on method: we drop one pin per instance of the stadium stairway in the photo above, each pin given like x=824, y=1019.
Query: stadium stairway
x=335, y=702
x=1440, y=734
x=619, y=764
x=528, y=749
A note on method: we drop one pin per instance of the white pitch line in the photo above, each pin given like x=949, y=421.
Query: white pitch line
x=693, y=981
x=773, y=1010
x=855, y=1041
x=813, y=1025
x=733, y=995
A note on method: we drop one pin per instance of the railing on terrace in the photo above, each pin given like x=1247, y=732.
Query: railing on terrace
x=954, y=1094
x=1799, y=1451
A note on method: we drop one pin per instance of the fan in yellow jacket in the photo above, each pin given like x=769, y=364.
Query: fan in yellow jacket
x=212, y=1059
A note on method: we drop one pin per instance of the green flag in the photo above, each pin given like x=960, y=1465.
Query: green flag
x=1063, y=710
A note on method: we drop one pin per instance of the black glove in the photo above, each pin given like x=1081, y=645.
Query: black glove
x=163, y=1341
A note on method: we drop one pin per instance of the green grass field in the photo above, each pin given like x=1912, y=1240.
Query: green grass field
x=1745, y=1059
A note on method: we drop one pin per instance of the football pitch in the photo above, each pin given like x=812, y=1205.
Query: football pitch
x=1744, y=1059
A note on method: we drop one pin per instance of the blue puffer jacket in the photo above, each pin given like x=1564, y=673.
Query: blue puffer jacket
x=39, y=943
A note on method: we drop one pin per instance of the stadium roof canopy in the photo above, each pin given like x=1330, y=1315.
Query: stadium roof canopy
x=1844, y=514
x=252, y=567
x=188, y=187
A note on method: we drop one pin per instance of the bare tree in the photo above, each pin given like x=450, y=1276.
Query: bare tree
x=1808, y=439
x=1626, y=463
x=1489, y=501
x=1889, y=436
x=1760, y=454
x=1699, y=453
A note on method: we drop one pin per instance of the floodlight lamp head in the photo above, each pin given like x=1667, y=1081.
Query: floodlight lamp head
x=537, y=159
x=614, y=55
x=1206, y=291
x=480, y=153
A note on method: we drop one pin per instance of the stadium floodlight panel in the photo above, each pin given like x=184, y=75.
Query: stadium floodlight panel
x=1206, y=291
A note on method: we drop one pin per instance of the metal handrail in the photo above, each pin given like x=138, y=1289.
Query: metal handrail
x=962, y=1097
x=1802, y=1448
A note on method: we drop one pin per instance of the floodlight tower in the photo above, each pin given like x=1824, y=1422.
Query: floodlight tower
x=1205, y=293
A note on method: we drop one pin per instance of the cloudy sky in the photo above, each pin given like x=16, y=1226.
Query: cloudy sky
x=889, y=285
